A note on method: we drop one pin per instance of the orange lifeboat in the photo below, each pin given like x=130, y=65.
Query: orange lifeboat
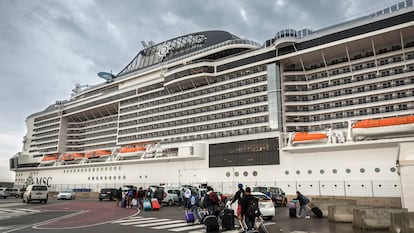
x=369, y=123
x=304, y=137
x=73, y=156
x=384, y=127
x=131, y=151
x=50, y=158
x=98, y=154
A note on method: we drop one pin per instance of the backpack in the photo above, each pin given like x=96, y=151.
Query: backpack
x=130, y=193
x=253, y=208
x=213, y=198
x=194, y=200
x=306, y=200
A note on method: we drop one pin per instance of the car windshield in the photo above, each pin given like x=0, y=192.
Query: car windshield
x=260, y=189
x=39, y=188
x=106, y=190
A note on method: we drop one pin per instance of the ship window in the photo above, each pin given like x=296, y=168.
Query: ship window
x=93, y=178
x=228, y=174
x=124, y=177
x=377, y=170
x=322, y=171
x=114, y=177
x=254, y=173
x=236, y=174
x=309, y=172
x=393, y=169
x=297, y=172
x=362, y=170
x=287, y=172
x=245, y=173
x=348, y=170
x=334, y=171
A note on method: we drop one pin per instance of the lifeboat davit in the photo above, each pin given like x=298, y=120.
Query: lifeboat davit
x=384, y=127
x=98, y=154
x=49, y=159
x=73, y=157
x=131, y=151
x=304, y=137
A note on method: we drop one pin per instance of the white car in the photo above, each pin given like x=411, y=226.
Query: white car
x=67, y=194
x=266, y=205
x=4, y=192
x=36, y=192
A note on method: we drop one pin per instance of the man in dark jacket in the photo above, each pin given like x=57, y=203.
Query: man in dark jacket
x=249, y=208
x=238, y=197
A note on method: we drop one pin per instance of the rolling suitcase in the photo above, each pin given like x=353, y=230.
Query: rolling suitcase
x=147, y=205
x=123, y=203
x=292, y=212
x=227, y=221
x=259, y=226
x=155, y=204
x=317, y=212
x=211, y=223
x=189, y=216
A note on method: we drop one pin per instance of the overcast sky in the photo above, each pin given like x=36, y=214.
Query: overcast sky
x=46, y=47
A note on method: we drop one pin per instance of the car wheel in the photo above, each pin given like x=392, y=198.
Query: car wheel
x=268, y=218
x=170, y=202
x=100, y=199
x=17, y=196
x=24, y=201
x=45, y=201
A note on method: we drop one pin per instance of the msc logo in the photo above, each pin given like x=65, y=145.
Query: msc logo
x=38, y=180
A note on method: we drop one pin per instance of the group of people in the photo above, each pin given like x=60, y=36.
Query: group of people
x=133, y=197
x=247, y=207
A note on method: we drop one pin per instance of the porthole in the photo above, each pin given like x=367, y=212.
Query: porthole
x=393, y=169
x=114, y=177
x=297, y=172
x=101, y=169
x=101, y=178
x=379, y=185
x=227, y=174
x=124, y=177
x=245, y=173
x=89, y=178
x=110, y=168
x=377, y=170
x=64, y=171
x=93, y=169
x=119, y=168
x=114, y=168
x=119, y=177
x=110, y=177
x=348, y=170
x=236, y=174
x=93, y=178
x=105, y=177
x=334, y=171
x=349, y=185
x=146, y=176
x=106, y=168
x=254, y=173
x=322, y=171
x=287, y=172
x=309, y=172
x=362, y=170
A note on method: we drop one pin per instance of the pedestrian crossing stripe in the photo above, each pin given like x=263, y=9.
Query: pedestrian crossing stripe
x=169, y=224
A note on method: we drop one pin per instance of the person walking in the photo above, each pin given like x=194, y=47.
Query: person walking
x=249, y=209
x=193, y=205
x=118, y=196
x=303, y=202
x=187, y=195
x=238, y=197
x=211, y=201
x=129, y=196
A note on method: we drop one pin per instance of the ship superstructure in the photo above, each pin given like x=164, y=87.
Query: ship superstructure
x=215, y=108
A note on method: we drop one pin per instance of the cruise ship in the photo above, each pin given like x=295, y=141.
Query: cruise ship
x=320, y=111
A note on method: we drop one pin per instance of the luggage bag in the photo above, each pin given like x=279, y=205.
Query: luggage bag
x=292, y=212
x=155, y=204
x=211, y=223
x=147, y=205
x=123, y=203
x=317, y=212
x=189, y=216
x=259, y=226
x=227, y=221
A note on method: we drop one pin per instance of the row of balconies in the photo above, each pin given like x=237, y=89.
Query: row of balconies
x=193, y=137
x=211, y=99
x=403, y=85
x=197, y=120
x=47, y=122
x=198, y=92
x=87, y=131
x=97, y=121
